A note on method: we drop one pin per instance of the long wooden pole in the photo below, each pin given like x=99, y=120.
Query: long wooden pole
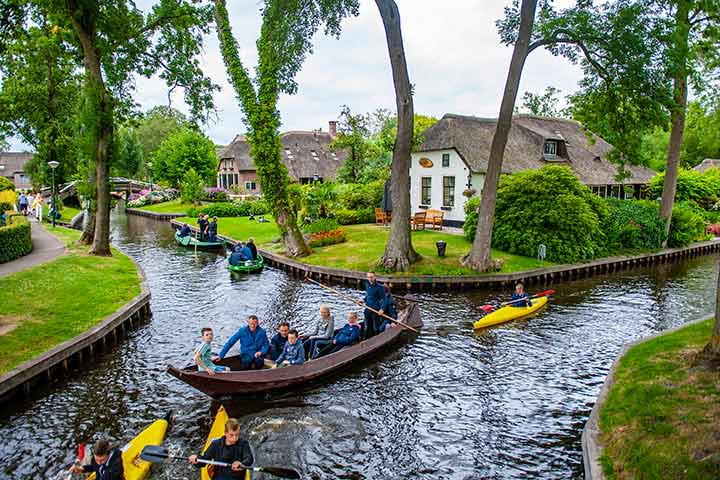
x=339, y=293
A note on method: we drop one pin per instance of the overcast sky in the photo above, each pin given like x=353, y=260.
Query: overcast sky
x=453, y=50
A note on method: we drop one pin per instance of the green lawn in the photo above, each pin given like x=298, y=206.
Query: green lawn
x=173, y=206
x=660, y=420
x=365, y=245
x=50, y=303
x=66, y=214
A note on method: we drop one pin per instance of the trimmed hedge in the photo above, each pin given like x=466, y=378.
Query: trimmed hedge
x=15, y=240
x=6, y=184
x=227, y=209
x=354, y=217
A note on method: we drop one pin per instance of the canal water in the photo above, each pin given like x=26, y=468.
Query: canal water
x=508, y=402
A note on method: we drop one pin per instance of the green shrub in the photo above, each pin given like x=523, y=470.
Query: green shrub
x=701, y=188
x=225, y=209
x=321, y=225
x=6, y=184
x=356, y=196
x=354, y=217
x=633, y=225
x=687, y=225
x=259, y=207
x=471, y=218
x=5, y=207
x=191, y=189
x=549, y=206
x=15, y=238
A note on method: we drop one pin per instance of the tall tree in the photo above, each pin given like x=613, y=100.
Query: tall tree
x=285, y=41
x=399, y=252
x=542, y=104
x=353, y=135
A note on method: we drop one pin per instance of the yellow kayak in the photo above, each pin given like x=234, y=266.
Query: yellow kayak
x=135, y=468
x=216, y=431
x=505, y=314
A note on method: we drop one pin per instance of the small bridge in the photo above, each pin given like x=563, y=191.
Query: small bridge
x=119, y=187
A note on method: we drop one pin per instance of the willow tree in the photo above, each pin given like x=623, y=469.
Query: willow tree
x=285, y=41
x=399, y=252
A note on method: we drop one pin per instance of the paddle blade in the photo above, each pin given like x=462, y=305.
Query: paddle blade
x=81, y=453
x=279, y=472
x=544, y=294
x=487, y=308
x=154, y=454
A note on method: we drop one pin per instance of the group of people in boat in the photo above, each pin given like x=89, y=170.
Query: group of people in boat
x=288, y=347
x=243, y=252
x=207, y=229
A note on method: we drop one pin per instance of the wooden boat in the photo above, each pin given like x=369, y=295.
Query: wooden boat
x=248, y=266
x=191, y=241
x=216, y=431
x=135, y=468
x=253, y=382
x=506, y=314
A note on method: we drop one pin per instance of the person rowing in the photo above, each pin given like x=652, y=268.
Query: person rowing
x=240, y=254
x=520, y=297
x=229, y=449
x=106, y=463
x=253, y=249
x=184, y=230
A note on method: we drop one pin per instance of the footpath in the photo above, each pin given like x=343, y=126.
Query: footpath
x=45, y=248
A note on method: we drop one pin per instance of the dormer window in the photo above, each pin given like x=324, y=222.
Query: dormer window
x=551, y=148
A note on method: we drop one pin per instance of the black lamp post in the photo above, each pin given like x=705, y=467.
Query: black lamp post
x=53, y=165
x=151, y=182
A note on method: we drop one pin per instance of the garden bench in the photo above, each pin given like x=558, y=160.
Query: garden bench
x=418, y=221
x=434, y=218
x=382, y=218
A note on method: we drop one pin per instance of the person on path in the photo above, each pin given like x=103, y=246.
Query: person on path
x=374, y=295
x=22, y=203
x=522, y=297
x=278, y=341
x=254, y=344
x=30, y=200
x=293, y=353
x=251, y=246
x=324, y=329
x=203, y=354
x=37, y=207
x=229, y=448
x=212, y=230
x=347, y=335
x=106, y=462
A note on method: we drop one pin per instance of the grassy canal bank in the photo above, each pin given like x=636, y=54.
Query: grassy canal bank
x=48, y=304
x=661, y=419
x=365, y=245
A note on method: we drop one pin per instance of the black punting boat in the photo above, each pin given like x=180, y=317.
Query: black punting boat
x=252, y=382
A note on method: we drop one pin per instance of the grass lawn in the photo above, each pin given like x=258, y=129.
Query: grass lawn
x=66, y=214
x=661, y=419
x=173, y=206
x=50, y=303
x=365, y=245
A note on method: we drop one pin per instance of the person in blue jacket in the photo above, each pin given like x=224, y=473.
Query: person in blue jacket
x=278, y=341
x=522, y=297
x=202, y=225
x=236, y=257
x=212, y=230
x=389, y=308
x=293, y=353
x=374, y=295
x=184, y=230
x=254, y=344
x=347, y=335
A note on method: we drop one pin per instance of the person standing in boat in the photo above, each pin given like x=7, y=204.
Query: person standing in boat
x=389, y=308
x=254, y=344
x=293, y=352
x=253, y=249
x=212, y=230
x=106, y=463
x=202, y=225
x=374, y=295
x=324, y=329
x=347, y=335
x=184, y=230
x=522, y=297
x=278, y=341
x=227, y=449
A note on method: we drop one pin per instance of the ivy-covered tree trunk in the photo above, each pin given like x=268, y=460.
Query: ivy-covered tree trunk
x=479, y=257
x=399, y=252
x=714, y=346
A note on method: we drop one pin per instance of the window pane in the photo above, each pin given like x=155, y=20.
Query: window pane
x=425, y=192
x=445, y=159
x=448, y=191
x=550, y=148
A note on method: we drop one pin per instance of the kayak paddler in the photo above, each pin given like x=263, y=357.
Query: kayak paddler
x=228, y=449
x=106, y=462
x=522, y=297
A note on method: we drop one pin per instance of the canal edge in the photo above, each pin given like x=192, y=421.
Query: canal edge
x=62, y=358
x=541, y=276
x=156, y=215
x=592, y=449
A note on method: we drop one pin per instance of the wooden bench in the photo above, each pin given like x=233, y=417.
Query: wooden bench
x=382, y=218
x=434, y=218
x=418, y=221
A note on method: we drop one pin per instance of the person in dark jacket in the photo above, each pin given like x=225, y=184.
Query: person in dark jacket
x=278, y=341
x=212, y=230
x=389, y=308
x=228, y=449
x=251, y=246
x=106, y=462
x=237, y=256
x=293, y=353
x=374, y=295
x=202, y=225
x=347, y=335
x=184, y=230
x=254, y=344
x=522, y=297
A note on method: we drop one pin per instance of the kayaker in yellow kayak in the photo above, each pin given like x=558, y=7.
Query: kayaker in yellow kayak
x=230, y=449
x=522, y=297
x=106, y=463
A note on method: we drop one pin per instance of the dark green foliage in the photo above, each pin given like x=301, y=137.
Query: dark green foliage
x=687, y=225
x=15, y=239
x=191, y=189
x=701, y=188
x=345, y=216
x=226, y=209
x=182, y=151
x=259, y=207
x=5, y=206
x=6, y=184
x=129, y=155
x=321, y=225
x=471, y=218
x=549, y=206
x=354, y=196
x=633, y=225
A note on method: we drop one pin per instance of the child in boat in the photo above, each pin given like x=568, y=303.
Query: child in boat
x=228, y=449
x=293, y=353
x=523, y=299
x=347, y=335
x=203, y=354
x=106, y=463
x=278, y=341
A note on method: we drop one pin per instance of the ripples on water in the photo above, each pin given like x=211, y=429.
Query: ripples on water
x=508, y=402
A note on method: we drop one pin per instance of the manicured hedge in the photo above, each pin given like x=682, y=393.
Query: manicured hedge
x=6, y=184
x=228, y=209
x=15, y=239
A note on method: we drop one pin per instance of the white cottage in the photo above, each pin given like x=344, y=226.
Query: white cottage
x=454, y=156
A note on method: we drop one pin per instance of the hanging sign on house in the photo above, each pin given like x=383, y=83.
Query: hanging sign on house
x=425, y=162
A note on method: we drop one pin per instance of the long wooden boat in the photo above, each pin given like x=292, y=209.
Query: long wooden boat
x=248, y=266
x=191, y=241
x=252, y=382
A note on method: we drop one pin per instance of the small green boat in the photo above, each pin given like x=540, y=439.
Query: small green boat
x=191, y=241
x=248, y=266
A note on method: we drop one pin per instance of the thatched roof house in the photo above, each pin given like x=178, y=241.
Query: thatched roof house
x=305, y=154
x=707, y=164
x=12, y=166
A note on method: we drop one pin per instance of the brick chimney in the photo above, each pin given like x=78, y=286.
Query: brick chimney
x=332, y=128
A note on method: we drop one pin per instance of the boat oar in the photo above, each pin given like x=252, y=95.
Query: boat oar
x=404, y=325
x=157, y=454
x=546, y=293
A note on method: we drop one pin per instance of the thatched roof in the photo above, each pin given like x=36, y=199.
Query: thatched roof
x=13, y=162
x=707, y=164
x=304, y=153
x=471, y=137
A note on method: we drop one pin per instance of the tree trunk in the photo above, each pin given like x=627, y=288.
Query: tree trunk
x=682, y=32
x=714, y=346
x=399, y=252
x=479, y=256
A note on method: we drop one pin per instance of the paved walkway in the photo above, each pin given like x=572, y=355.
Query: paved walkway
x=45, y=248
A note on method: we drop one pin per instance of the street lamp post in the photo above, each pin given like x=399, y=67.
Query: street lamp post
x=53, y=165
x=151, y=179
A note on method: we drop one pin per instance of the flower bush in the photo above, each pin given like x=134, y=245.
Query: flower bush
x=145, y=197
x=215, y=194
x=326, y=238
x=714, y=229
